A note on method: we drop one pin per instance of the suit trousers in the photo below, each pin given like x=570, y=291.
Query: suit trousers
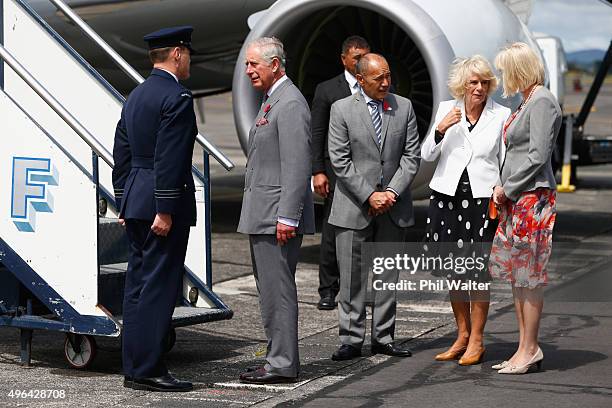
x=329, y=275
x=354, y=283
x=274, y=270
x=153, y=279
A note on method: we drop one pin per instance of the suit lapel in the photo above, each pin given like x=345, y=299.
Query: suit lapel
x=463, y=124
x=364, y=113
x=343, y=86
x=254, y=127
x=272, y=100
x=387, y=117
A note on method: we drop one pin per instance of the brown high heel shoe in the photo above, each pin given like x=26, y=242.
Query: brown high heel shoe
x=450, y=355
x=473, y=359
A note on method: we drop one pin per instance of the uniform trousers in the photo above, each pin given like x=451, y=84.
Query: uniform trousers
x=153, y=279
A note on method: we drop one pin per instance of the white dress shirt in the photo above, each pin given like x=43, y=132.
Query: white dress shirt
x=352, y=81
x=275, y=86
x=380, y=105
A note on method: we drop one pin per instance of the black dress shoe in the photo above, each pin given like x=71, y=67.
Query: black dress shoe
x=261, y=376
x=250, y=369
x=327, y=303
x=166, y=383
x=128, y=381
x=346, y=352
x=390, y=349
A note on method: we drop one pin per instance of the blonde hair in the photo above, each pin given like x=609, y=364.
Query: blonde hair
x=463, y=68
x=520, y=67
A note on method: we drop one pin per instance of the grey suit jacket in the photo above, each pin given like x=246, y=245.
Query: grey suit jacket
x=530, y=143
x=362, y=167
x=277, y=179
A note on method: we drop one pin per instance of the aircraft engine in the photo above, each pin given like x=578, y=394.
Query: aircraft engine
x=419, y=38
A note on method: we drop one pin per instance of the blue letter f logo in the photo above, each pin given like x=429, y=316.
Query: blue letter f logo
x=30, y=195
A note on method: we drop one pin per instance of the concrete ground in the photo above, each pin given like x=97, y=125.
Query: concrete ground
x=575, y=329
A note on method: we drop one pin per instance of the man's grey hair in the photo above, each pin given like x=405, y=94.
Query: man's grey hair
x=270, y=48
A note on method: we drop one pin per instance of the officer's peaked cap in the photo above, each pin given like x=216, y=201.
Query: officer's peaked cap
x=170, y=37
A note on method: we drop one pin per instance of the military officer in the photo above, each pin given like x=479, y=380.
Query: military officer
x=154, y=192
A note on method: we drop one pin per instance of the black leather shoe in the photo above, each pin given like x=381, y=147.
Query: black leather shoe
x=250, y=369
x=128, y=381
x=327, y=303
x=166, y=383
x=261, y=376
x=390, y=349
x=346, y=352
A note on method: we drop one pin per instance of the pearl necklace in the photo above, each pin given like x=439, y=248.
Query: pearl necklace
x=513, y=116
x=528, y=97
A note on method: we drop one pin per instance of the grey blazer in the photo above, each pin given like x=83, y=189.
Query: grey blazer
x=530, y=143
x=278, y=170
x=362, y=167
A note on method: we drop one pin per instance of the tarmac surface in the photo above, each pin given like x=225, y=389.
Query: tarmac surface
x=575, y=334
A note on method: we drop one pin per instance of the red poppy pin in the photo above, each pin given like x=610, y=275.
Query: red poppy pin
x=386, y=106
x=267, y=108
x=262, y=121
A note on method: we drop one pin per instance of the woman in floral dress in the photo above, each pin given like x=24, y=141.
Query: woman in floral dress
x=525, y=199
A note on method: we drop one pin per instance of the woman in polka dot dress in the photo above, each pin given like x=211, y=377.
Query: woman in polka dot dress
x=526, y=198
x=466, y=141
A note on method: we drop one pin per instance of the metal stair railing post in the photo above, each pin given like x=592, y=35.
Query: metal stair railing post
x=132, y=73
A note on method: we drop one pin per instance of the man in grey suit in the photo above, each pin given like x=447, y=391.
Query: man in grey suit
x=277, y=206
x=374, y=151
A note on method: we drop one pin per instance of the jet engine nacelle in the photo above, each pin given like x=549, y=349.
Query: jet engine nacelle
x=419, y=38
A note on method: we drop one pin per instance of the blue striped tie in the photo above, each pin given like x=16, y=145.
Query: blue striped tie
x=376, y=119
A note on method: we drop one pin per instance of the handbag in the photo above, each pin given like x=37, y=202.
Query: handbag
x=492, y=209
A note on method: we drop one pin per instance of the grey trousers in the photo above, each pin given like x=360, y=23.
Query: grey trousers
x=274, y=270
x=354, y=282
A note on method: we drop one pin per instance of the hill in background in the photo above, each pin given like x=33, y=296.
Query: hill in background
x=585, y=60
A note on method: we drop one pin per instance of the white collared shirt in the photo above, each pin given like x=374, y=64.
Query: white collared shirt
x=380, y=105
x=276, y=85
x=352, y=81
x=173, y=76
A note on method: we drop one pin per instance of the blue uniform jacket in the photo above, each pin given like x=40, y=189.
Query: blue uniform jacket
x=153, y=149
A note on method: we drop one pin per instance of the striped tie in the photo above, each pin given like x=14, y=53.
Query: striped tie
x=376, y=119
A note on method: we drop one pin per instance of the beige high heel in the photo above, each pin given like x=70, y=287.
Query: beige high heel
x=536, y=361
x=501, y=365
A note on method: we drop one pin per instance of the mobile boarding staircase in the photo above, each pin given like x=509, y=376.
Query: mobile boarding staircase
x=63, y=255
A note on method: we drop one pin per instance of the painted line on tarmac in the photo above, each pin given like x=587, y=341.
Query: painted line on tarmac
x=260, y=387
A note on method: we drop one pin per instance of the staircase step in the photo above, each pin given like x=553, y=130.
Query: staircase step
x=111, y=285
x=188, y=315
x=113, y=243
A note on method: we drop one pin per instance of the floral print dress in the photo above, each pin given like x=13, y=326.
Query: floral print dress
x=523, y=241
